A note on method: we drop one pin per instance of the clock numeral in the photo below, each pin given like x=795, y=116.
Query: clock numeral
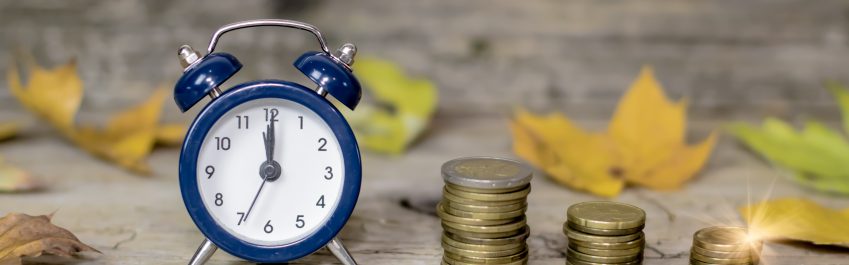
x=222, y=143
x=302, y=121
x=271, y=114
x=323, y=143
x=241, y=118
x=241, y=217
x=329, y=174
x=219, y=199
x=299, y=221
x=320, y=202
x=209, y=171
x=268, y=228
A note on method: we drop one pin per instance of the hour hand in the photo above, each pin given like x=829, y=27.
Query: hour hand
x=268, y=139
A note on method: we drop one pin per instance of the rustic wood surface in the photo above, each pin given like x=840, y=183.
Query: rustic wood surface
x=732, y=59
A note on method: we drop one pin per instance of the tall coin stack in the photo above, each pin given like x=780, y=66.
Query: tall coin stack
x=604, y=232
x=483, y=211
x=724, y=245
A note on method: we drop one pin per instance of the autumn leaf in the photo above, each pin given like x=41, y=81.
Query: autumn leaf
x=399, y=110
x=13, y=179
x=23, y=236
x=8, y=130
x=644, y=144
x=816, y=157
x=798, y=219
x=128, y=137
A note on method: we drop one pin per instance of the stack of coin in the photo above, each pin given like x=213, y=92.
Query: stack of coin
x=604, y=232
x=483, y=211
x=724, y=245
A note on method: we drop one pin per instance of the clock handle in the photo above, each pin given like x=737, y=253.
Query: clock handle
x=204, y=252
x=335, y=246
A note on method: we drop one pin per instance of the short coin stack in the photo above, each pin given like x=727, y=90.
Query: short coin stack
x=604, y=232
x=483, y=211
x=724, y=245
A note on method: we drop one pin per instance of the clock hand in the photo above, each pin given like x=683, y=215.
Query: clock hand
x=270, y=169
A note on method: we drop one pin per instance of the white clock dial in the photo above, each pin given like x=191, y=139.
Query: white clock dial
x=230, y=172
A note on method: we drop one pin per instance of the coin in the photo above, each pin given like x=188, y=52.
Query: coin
x=722, y=254
x=575, y=255
x=483, y=253
x=604, y=232
x=486, y=228
x=454, y=198
x=572, y=234
x=697, y=262
x=468, y=234
x=485, y=216
x=480, y=247
x=497, y=260
x=574, y=261
x=699, y=257
x=606, y=215
x=639, y=242
x=487, y=191
x=446, y=217
x=485, y=209
x=606, y=252
x=450, y=261
x=518, y=237
x=723, y=238
x=491, y=197
x=486, y=173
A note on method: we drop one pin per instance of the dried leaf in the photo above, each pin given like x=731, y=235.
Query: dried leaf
x=24, y=236
x=400, y=110
x=798, y=219
x=170, y=134
x=13, y=179
x=644, y=144
x=9, y=130
x=128, y=137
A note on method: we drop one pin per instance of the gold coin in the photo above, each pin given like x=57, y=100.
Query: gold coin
x=496, y=260
x=486, y=173
x=446, y=217
x=480, y=247
x=487, y=228
x=485, y=209
x=573, y=261
x=482, y=253
x=722, y=254
x=706, y=259
x=606, y=252
x=487, y=191
x=468, y=234
x=697, y=262
x=454, y=198
x=723, y=238
x=606, y=215
x=517, y=238
x=575, y=255
x=639, y=242
x=494, y=197
x=451, y=261
x=580, y=236
x=485, y=216
x=604, y=232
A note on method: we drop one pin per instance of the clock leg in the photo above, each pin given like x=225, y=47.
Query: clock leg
x=204, y=252
x=335, y=246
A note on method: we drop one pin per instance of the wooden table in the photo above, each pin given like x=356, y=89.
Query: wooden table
x=138, y=220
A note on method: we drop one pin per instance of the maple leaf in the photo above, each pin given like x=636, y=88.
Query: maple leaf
x=23, y=236
x=400, y=109
x=644, y=144
x=55, y=96
x=797, y=219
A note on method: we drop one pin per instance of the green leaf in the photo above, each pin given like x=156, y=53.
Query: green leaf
x=841, y=94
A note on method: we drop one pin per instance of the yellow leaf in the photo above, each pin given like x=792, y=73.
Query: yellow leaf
x=53, y=94
x=400, y=107
x=13, y=179
x=798, y=219
x=170, y=134
x=644, y=144
x=9, y=130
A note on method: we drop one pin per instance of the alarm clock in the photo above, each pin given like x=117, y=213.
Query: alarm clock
x=269, y=170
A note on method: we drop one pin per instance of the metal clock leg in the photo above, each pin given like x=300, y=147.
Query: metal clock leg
x=204, y=252
x=335, y=246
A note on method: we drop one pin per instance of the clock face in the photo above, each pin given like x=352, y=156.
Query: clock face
x=270, y=171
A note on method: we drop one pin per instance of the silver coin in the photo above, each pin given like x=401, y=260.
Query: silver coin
x=486, y=173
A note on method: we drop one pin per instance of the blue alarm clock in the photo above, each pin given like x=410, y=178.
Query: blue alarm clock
x=270, y=170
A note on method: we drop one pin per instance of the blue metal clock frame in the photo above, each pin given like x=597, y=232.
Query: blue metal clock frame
x=243, y=93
